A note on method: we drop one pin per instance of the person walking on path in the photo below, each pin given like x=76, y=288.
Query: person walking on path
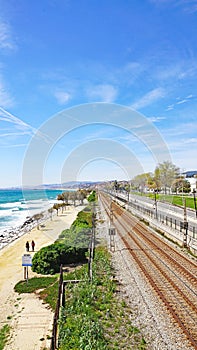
x=33, y=245
x=27, y=246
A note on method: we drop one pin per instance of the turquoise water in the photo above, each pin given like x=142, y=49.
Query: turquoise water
x=17, y=205
x=10, y=196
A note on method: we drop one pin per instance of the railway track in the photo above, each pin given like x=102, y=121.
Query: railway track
x=171, y=274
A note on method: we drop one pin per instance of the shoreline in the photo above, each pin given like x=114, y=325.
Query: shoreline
x=9, y=236
x=43, y=236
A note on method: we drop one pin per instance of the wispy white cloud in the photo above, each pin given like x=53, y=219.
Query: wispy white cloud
x=192, y=140
x=169, y=72
x=156, y=119
x=6, y=41
x=62, y=97
x=189, y=6
x=13, y=129
x=5, y=98
x=24, y=128
x=149, y=98
x=170, y=107
x=10, y=118
x=180, y=70
x=102, y=92
x=181, y=131
x=14, y=134
x=14, y=145
x=180, y=101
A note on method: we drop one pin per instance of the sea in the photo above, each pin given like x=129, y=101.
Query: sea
x=16, y=205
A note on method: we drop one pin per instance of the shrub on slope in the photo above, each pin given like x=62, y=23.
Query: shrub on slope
x=71, y=247
x=48, y=259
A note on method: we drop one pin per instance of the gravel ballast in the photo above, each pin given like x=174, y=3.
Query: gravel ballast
x=147, y=312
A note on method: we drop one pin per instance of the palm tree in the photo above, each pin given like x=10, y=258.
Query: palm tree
x=38, y=217
x=50, y=210
x=73, y=196
x=65, y=196
x=81, y=196
x=56, y=206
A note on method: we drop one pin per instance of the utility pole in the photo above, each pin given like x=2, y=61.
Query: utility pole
x=155, y=192
x=128, y=192
x=112, y=232
x=194, y=193
x=185, y=226
x=111, y=212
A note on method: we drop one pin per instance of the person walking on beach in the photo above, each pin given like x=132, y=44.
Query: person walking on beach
x=27, y=246
x=33, y=245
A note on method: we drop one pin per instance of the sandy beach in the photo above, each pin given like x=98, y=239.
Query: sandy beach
x=29, y=318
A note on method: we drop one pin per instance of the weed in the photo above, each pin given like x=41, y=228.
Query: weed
x=34, y=284
x=123, y=303
x=93, y=317
x=4, y=333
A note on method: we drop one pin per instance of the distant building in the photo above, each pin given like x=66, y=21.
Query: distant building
x=191, y=176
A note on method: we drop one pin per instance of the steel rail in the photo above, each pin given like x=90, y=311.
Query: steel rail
x=160, y=291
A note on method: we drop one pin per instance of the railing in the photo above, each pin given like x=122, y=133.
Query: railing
x=91, y=245
x=57, y=310
x=177, y=224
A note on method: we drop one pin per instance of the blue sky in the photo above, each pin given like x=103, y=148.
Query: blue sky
x=58, y=54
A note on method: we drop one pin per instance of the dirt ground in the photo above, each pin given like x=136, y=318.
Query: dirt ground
x=29, y=318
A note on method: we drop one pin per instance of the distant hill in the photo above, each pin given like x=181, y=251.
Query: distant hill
x=190, y=173
x=69, y=184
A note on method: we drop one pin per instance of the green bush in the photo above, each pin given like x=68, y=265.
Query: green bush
x=92, y=197
x=79, y=233
x=83, y=220
x=71, y=247
x=48, y=259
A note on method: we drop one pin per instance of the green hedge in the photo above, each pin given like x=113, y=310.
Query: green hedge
x=71, y=247
x=92, y=197
x=83, y=220
x=48, y=259
x=78, y=235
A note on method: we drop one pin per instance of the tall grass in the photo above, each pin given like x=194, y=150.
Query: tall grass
x=4, y=333
x=93, y=318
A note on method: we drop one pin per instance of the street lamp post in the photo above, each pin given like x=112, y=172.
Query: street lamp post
x=155, y=192
x=128, y=193
x=194, y=193
x=185, y=225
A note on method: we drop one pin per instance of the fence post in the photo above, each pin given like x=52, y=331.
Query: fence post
x=63, y=294
x=56, y=315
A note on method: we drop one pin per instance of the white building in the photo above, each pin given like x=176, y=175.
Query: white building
x=191, y=176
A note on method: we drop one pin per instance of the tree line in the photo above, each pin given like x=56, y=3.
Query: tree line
x=166, y=178
x=69, y=197
x=65, y=199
